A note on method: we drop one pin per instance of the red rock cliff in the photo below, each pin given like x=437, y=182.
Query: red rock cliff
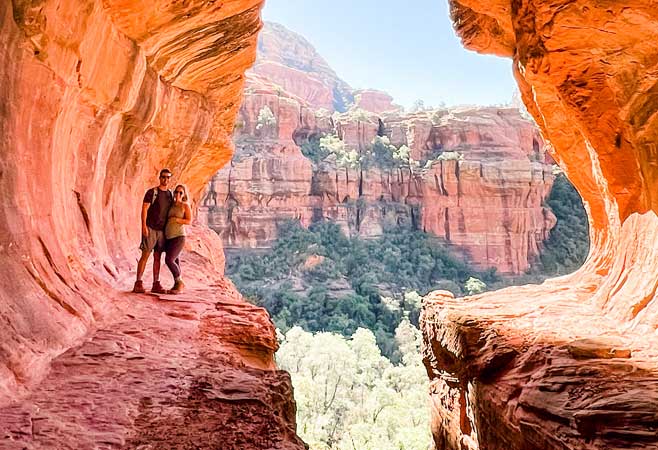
x=96, y=98
x=375, y=101
x=571, y=363
x=292, y=63
x=489, y=204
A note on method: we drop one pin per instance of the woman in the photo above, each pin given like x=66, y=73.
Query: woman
x=180, y=214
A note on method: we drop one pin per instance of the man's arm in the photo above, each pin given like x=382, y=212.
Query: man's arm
x=145, y=229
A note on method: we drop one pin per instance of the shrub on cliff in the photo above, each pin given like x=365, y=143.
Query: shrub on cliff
x=312, y=150
x=265, y=118
x=381, y=153
x=345, y=156
x=450, y=156
x=474, y=286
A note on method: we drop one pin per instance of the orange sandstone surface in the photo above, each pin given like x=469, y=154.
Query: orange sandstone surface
x=97, y=96
x=571, y=363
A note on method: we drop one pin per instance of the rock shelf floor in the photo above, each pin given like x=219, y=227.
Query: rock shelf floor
x=193, y=371
x=538, y=367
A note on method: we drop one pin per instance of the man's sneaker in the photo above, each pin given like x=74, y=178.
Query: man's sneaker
x=139, y=287
x=177, y=288
x=157, y=288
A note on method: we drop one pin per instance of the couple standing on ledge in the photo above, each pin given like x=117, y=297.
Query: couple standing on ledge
x=164, y=216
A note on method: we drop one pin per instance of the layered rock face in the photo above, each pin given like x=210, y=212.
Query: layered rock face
x=291, y=62
x=97, y=97
x=190, y=371
x=489, y=204
x=570, y=364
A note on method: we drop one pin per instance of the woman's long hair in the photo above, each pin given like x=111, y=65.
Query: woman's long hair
x=182, y=186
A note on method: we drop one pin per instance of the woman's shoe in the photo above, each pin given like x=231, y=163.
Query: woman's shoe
x=177, y=287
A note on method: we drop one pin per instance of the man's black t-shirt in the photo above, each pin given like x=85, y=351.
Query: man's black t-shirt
x=156, y=217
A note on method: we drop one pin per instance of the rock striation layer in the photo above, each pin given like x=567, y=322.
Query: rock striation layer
x=489, y=204
x=570, y=364
x=97, y=96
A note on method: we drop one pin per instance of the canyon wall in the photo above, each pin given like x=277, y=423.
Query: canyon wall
x=570, y=364
x=97, y=97
x=487, y=205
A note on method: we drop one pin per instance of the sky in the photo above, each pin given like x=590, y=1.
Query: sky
x=407, y=49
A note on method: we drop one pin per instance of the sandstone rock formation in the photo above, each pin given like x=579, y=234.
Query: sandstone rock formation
x=291, y=62
x=374, y=101
x=97, y=96
x=489, y=205
x=190, y=371
x=570, y=364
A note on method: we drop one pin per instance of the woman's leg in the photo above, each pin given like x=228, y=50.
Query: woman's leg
x=174, y=248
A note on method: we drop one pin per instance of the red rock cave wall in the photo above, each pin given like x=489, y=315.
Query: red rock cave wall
x=585, y=72
x=97, y=96
x=542, y=366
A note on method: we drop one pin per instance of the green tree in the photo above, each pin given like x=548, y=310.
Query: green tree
x=345, y=157
x=265, y=118
x=350, y=396
x=372, y=283
x=474, y=286
x=568, y=243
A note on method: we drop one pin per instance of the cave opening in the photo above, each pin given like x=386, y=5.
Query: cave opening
x=369, y=182
x=369, y=277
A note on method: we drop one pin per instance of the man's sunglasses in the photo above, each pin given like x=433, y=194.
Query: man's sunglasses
x=165, y=176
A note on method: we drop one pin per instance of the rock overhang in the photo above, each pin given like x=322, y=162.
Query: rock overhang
x=586, y=70
x=98, y=96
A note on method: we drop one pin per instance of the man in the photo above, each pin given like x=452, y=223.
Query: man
x=155, y=209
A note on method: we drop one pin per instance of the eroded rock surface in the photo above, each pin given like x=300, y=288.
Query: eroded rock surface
x=570, y=364
x=374, y=101
x=189, y=371
x=97, y=96
x=288, y=60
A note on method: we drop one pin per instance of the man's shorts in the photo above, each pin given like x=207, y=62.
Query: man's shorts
x=154, y=241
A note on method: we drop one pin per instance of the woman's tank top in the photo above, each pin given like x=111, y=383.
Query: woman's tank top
x=175, y=229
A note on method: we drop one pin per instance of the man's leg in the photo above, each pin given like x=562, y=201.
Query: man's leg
x=138, y=288
x=141, y=265
x=157, y=287
x=157, y=255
